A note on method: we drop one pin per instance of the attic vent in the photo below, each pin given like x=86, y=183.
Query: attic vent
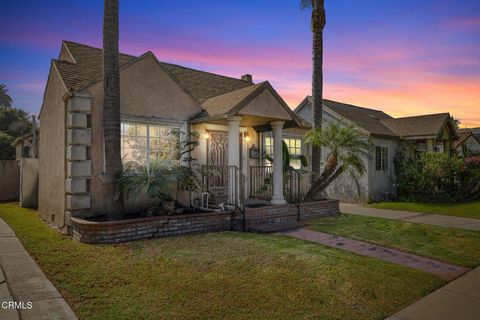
x=247, y=77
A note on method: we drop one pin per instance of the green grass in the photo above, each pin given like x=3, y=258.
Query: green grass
x=466, y=210
x=219, y=275
x=461, y=247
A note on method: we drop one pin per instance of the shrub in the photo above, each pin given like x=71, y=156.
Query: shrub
x=438, y=177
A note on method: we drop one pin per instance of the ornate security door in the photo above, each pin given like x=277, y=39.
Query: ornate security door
x=217, y=161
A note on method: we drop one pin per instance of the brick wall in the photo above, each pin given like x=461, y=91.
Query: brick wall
x=148, y=228
x=156, y=227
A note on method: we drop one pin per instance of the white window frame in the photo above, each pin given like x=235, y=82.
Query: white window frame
x=384, y=159
x=178, y=125
x=285, y=137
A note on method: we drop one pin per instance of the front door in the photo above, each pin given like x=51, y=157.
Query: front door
x=217, y=161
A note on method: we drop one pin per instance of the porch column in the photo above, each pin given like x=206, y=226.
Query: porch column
x=277, y=197
x=234, y=141
x=233, y=158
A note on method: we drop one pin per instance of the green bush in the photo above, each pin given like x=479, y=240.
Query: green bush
x=437, y=177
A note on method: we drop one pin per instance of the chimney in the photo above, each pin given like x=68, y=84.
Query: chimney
x=247, y=77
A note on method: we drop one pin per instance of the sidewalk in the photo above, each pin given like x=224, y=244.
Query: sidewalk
x=424, y=218
x=441, y=269
x=458, y=300
x=23, y=281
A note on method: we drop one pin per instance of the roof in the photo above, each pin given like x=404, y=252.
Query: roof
x=425, y=125
x=365, y=118
x=224, y=103
x=88, y=69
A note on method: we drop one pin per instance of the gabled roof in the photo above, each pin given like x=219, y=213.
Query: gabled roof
x=424, y=126
x=224, y=103
x=464, y=135
x=365, y=118
x=200, y=85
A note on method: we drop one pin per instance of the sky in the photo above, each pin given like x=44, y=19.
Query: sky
x=405, y=57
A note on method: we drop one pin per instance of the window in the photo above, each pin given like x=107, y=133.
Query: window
x=294, y=146
x=381, y=158
x=142, y=143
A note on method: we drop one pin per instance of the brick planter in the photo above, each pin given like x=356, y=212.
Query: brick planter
x=164, y=226
x=149, y=228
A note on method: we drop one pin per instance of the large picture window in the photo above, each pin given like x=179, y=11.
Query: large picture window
x=381, y=158
x=141, y=143
x=294, y=148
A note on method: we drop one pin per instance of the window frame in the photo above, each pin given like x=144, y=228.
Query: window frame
x=268, y=149
x=382, y=158
x=172, y=125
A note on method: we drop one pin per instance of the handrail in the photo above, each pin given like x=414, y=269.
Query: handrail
x=295, y=177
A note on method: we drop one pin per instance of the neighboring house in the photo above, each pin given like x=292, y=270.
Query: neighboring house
x=468, y=143
x=392, y=137
x=24, y=146
x=234, y=117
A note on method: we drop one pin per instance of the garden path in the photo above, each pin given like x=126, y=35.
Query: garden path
x=441, y=269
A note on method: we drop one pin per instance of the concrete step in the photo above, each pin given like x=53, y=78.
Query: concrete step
x=277, y=227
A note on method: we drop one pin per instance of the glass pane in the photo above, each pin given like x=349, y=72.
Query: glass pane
x=128, y=129
x=154, y=143
x=141, y=130
x=141, y=143
x=154, y=131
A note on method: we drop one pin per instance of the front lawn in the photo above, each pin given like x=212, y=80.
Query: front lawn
x=466, y=209
x=457, y=246
x=223, y=275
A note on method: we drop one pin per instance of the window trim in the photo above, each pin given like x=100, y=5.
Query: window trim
x=382, y=158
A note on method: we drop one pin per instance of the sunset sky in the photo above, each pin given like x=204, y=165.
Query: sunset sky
x=405, y=57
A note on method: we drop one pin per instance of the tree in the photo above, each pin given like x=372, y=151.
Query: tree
x=14, y=122
x=5, y=99
x=318, y=22
x=111, y=109
x=347, y=147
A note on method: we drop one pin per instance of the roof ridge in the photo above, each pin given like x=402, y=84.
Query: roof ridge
x=420, y=116
x=203, y=71
x=96, y=48
x=352, y=105
x=230, y=92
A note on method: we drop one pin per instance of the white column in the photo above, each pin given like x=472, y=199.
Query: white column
x=234, y=141
x=277, y=197
x=233, y=157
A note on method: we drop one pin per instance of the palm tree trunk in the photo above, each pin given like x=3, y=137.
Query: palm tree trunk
x=318, y=23
x=330, y=166
x=111, y=109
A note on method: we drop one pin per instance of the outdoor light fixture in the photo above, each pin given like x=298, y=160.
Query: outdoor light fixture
x=247, y=137
x=206, y=136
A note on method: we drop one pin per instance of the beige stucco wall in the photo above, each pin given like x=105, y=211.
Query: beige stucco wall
x=265, y=105
x=51, y=197
x=147, y=92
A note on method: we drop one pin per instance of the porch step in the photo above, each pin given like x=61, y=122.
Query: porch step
x=277, y=227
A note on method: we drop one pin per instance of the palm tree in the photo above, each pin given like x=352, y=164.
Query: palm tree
x=5, y=99
x=111, y=109
x=347, y=147
x=318, y=24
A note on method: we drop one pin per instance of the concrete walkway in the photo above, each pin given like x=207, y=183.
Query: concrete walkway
x=22, y=281
x=425, y=218
x=441, y=269
x=458, y=300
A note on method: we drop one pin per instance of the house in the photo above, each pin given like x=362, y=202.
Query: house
x=408, y=136
x=235, y=118
x=468, y=142
x=25, y=146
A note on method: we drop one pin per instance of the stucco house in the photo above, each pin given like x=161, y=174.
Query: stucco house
x=392, y=137
x=468, y=142
x=235, y=118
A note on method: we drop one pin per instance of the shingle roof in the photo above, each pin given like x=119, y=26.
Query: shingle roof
x=425, y=125
x=88, y=69
x=223, y=103
x=368, y=119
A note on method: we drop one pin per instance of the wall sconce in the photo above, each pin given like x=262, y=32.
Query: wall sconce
x=206, y=136
x=247, y=137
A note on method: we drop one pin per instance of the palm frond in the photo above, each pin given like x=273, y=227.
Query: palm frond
x=5, y=99
x=306, y=4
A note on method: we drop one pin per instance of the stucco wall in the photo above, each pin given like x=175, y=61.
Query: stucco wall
x=9, y=181
x=266, y=105
x=29, y=182
x=146, y=91
x=51, y=196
